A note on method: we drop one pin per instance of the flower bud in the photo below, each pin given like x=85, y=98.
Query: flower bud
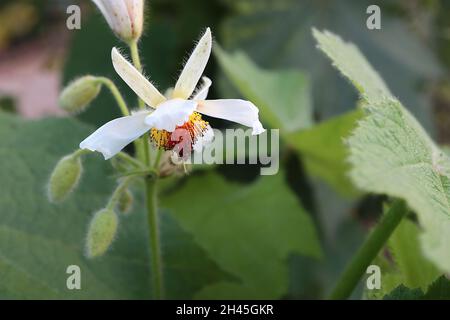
x=101, y=233
x=125, y=202
x=64, y=178
x=78, y=94
x=124, y=17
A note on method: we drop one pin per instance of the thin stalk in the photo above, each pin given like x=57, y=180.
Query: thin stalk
x=150, y=172
x=81, y=152
x=155, y=246
x=368, y=251
x=158, y=158
x=137, y=63
x=144, y=152
x=118, y=192
x=116, y=94
x=130, y=159
x=151, y=198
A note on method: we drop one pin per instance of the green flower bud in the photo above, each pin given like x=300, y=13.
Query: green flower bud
x=64, y=178
x=101, y=233
x=125, y=202
x=79, y=93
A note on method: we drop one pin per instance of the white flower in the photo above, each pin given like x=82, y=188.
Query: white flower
x=124, y=17
x=174, y=119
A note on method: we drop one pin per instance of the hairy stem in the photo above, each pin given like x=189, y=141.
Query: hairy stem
x=118, y=192
x=151, y=198
x=137, y=63
x=143, y=151
x=116, y=94
x=130, y=160
x=368, y=251
x=155, y=246
x=158, y=158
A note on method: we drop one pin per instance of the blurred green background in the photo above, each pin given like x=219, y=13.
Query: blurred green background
x=227, y=232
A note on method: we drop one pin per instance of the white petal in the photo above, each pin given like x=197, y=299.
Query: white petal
x=204, y=140
x=136, y=14
x=202, y=92
x=194, y=67
x=171, y=114
x=113, y=136
x=137, y=82
x=116, y=14
x=236, y=110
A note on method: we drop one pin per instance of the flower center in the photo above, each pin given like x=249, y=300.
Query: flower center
x=183, y=137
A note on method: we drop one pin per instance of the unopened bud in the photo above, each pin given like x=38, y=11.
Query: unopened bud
x=124, y=17
x=101, y=233
x=79, y=94
x=125, y=202
x=64, y=178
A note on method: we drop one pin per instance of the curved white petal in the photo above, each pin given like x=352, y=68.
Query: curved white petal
x=137, y=82
x=236, y=110
x=136, y=14
x=171, y=114
x=194, y=67
x=113, y=136
x=202, y=92
x=116, y=14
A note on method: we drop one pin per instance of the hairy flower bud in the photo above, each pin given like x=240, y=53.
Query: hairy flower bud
x=101, y=233
x=125, y=201
x=124, y=17
x=79, y=94
x=64, y=177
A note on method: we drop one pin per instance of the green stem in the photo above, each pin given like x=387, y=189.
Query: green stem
x=143, y=150
x=81, y=152
x=150, y=172
x=155, y=246
x=368, y=251
x=130, y=159
x=151, y=198
x=118, y=192
x=158, y=158
x=137, y=63
x=116, y=94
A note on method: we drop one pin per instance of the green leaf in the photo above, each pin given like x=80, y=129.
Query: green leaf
x=404, y=293
x=410, y=268
x=438, y=290
x=283, y=97
x=39, y=240
x=248, y=230
x=323, y=150
x=391, y=154
x=277, y=34
x=349, y=60
x=404, y=245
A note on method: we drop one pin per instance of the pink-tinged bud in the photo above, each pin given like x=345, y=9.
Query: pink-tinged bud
x=124, y=17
